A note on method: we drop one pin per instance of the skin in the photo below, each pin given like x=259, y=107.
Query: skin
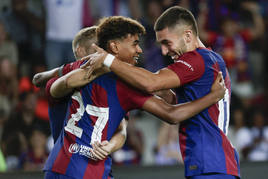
x=40, y=79
x=126, y=51
x=174, y=42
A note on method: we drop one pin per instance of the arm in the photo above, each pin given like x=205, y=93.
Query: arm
x=174, y=114
x=105, y=148
x=135, y=76
x=76, y=78
x=258, y=27
x=40, y=79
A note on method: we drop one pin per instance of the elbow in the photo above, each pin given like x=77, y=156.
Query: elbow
x=172, y=118
x=171, y=121
x=175, y=116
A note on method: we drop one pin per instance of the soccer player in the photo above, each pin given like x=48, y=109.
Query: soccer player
x=205, y=148
x=97, y=108
x=58, y=108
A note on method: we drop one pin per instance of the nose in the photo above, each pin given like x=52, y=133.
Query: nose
x=139, y=50
x=164, y=50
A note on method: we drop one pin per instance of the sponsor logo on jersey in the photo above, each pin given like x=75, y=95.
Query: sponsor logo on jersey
x=74, y=148
x=81, y=150
x=185, y=63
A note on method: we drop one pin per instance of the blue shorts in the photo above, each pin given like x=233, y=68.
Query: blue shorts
x=213, y=176
x=54, y=175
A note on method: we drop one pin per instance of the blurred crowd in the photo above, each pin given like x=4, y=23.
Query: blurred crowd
x=36, y=35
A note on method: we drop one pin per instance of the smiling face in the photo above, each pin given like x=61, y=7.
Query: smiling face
x=172, y=42
x=127, y=49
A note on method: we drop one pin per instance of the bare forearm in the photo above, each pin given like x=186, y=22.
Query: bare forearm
x=174, y=114
x=118, y=139
x=40, y=79
x=65, y=84
x=137, y=77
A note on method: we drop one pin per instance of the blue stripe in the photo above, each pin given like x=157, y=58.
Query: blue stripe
x=54, y=153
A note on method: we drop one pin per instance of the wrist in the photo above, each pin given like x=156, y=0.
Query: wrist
x=108, y=60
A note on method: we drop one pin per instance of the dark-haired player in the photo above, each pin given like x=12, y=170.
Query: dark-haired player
x=97, y=109
x=205, y=148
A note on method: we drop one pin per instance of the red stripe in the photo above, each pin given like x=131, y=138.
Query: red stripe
x=62, y=161
x=94, y=169
x=213, y=112
x=182, y=138
x=99, y=96
x=230, y=162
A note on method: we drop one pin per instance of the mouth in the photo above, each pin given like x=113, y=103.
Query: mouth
x=136, y=58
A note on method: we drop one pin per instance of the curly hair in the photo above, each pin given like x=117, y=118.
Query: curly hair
x=117, y=27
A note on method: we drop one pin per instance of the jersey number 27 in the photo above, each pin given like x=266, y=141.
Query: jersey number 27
x=101, y=113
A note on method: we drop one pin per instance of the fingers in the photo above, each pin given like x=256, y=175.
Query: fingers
x=85, y=65
x=89, y=72
x=219, y=77
x=105, y=142
x=97, y=48
x=99, y=152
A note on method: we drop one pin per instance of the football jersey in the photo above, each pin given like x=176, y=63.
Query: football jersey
x=94, y=113
x=203, y=138
x=57, y=109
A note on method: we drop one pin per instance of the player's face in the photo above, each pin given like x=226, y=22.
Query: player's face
x=172, y=42
x=129, y=49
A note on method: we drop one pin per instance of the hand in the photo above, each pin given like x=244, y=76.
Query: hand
x=94, y=61
x=251, y=6
x=218, y=86
x=101, y=150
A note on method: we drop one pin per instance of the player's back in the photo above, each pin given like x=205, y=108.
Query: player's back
x=94, y=114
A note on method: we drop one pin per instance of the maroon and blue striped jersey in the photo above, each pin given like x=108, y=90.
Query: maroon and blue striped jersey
x=57, y=110
x=203, y=138
x=94, y=113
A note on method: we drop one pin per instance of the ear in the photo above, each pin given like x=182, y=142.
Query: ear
x=113, y=46
x=80, y=52
x=188, y=36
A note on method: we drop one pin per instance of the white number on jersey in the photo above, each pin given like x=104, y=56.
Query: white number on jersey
x=224, y=116
x=100, y=112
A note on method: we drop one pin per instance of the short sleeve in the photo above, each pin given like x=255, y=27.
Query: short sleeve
x=189, y=67
x=52, y=100
x=71, y=66
x=129, y=97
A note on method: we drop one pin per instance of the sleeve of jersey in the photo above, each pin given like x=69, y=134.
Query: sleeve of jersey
x=130, y=98
x=52, y=100
x=189, y=67
x=71, y=66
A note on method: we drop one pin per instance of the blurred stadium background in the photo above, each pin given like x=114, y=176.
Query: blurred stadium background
x=28, y=39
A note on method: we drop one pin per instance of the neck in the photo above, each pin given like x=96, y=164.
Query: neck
x=196, y=43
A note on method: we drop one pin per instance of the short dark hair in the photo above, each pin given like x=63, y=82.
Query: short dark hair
x=117, y=27
x=83, y=37
x=176, y=15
